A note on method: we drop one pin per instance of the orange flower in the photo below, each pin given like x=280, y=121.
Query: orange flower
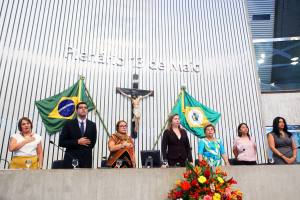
x=185, y=185
x=206, y=184
x=218, y=170
x=197, y=170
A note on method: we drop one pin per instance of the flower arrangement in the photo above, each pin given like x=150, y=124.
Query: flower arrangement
x=204, y=183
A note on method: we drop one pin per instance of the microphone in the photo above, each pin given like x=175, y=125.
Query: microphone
x=6, y=161
x=66, y=153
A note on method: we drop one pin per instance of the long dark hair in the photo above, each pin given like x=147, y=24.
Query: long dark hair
x=276, y=129
x=170, y=119
x=239, y=130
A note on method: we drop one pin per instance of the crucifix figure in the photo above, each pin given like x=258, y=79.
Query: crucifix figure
x=135, y=95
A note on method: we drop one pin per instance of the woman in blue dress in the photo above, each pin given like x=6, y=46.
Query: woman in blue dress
x=211, y=149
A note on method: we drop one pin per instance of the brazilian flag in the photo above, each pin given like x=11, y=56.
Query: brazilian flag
x=57, y=109
x=193, y=115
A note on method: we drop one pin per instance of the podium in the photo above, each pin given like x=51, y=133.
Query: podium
x=256, y=182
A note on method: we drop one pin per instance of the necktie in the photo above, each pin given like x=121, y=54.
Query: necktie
x=82, y=128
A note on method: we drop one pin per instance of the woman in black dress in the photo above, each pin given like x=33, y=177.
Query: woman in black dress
x=175, y=144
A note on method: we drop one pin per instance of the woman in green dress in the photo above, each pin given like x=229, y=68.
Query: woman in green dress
x=211, y=149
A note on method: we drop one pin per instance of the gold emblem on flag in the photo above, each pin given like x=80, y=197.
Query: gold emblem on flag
x=195, y=117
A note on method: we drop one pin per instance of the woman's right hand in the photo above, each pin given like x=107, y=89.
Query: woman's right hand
x=29, y=139
x=288, y=160
x=126, y=144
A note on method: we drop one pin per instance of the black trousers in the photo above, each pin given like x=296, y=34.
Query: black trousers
x=179, y=162
x=241, y=162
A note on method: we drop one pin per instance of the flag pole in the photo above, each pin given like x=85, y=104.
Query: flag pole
x=164, y=126
x=96, y=110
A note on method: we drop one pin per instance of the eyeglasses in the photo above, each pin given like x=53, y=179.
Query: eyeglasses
x=123, y=126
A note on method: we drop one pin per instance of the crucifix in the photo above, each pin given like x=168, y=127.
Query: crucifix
x=135, y=95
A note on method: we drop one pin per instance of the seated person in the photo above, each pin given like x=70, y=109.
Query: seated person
x=121, y=148
x=26, y=147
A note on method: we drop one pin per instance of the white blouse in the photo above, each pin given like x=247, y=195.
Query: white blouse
x=28, y=149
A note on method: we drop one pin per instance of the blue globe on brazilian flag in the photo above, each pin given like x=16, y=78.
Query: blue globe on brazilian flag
x=57, y=109
x=194, y=116
x=65, y=108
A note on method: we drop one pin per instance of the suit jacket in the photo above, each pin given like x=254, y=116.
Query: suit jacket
x=177, y=150
x=69, y=139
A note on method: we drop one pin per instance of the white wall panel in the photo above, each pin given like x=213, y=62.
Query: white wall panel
x=204, y=45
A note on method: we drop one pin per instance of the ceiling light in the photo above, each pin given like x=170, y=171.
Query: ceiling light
x=261, y=61
x=295, y=59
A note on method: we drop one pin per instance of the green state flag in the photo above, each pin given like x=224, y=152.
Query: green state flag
x=57, y=109
x=194, y=116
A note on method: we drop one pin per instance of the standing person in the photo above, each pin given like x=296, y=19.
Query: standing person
x=121, y=148
x=244, y=147
x=26, y=147
x=175, y=143
x=78, y=136
x=281, y=143
x=211, y=149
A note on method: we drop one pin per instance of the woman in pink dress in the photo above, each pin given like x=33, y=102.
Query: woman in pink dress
x=244, y=147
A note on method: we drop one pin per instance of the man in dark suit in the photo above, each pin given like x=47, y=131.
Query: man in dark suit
x=78, y=136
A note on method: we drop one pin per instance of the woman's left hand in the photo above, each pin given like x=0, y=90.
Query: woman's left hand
x=288, y=160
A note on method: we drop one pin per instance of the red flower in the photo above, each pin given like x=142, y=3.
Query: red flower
x=195, y=196
x=178, y=194
x=185, y=185
x=187, y=174
x=232, y=181
x=203, y=163
x=207, y=173
x=204, y=182
x=194, y=182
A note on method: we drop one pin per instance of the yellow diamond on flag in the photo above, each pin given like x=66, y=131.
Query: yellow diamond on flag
x=195, y=117
x=65, y=109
